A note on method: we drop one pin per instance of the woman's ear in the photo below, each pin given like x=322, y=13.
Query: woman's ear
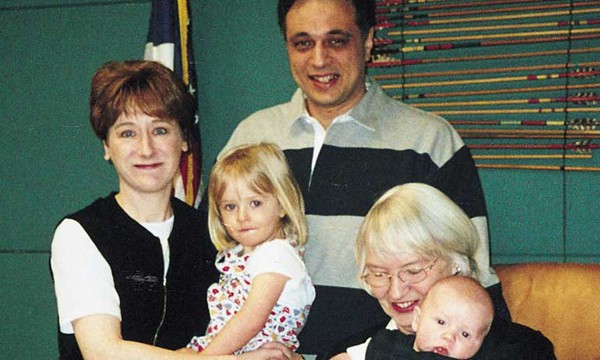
x=185, y=146
x=457, y=270
x=106, y=150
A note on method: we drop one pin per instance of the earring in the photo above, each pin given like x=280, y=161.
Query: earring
x=457, y=270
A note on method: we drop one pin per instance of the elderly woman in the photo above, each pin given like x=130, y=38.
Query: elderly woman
x=413, y=236
x=131, y=270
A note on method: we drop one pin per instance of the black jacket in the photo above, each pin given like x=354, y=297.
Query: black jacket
x=505, y=341
x=152, y=313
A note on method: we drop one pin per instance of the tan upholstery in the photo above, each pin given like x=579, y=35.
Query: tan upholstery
x=560, y=300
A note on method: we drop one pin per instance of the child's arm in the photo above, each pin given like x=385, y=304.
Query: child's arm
x=252, y=317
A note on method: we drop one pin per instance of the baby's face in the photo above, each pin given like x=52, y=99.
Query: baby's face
x=451, y=328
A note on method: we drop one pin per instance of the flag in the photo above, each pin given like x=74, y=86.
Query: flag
x=169, y=42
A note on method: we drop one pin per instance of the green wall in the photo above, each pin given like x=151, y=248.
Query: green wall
x=52, y=162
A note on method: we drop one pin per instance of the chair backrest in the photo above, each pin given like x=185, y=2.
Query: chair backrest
x=560, y=300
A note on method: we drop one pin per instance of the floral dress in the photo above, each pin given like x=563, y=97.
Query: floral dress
x=226, y=297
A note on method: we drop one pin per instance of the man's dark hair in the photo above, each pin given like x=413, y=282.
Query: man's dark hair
x=365, y=14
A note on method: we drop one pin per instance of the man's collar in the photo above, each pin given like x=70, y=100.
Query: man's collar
x=359, y=113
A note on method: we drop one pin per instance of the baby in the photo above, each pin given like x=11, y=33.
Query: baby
x=454, y=318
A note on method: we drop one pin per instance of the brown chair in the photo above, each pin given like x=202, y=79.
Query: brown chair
x=562, y=300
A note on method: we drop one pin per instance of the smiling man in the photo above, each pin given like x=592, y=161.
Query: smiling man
x=327, y=53
x=347, y=142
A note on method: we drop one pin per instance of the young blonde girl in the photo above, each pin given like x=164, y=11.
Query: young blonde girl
x=256, y=221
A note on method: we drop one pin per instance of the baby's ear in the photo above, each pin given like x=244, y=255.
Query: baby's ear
x=282, y=212
x=415, y=321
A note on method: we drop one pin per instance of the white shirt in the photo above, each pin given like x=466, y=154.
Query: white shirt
x=320, y=133
x=278, y=256
x=359, y=352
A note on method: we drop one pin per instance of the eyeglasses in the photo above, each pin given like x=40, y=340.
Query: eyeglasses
x=408, y=276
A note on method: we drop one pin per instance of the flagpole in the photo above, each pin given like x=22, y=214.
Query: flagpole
x=190, y=196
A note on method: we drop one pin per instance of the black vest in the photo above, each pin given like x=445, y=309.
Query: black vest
x=165, y=316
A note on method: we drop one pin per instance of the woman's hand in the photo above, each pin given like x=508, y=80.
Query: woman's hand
x=284, y=351
x=268, y=353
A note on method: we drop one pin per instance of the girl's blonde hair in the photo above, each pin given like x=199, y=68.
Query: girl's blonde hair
x=418, y=219
x=264, y=167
